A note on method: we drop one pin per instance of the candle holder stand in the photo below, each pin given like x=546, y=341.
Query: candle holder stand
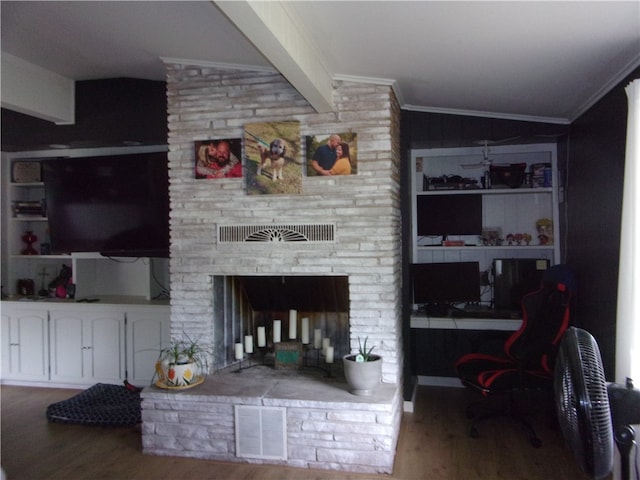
x=329, y=375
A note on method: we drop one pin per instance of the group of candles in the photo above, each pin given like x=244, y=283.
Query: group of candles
x=318, y=341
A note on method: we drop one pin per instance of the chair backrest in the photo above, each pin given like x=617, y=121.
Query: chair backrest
x=545, y=317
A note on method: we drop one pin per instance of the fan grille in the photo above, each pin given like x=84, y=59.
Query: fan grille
x=583, y=404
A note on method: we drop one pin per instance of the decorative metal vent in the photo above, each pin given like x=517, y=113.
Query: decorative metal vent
x=324, y=232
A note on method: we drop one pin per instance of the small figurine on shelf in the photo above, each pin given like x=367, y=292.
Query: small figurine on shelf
x=527, y=238
x=491, y=237
x=510, y=238
x=58, y=287
x=544, y=226
x=518, y=237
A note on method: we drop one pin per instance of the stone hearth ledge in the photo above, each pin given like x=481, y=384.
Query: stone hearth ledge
x=264, y=385
x=327, y=427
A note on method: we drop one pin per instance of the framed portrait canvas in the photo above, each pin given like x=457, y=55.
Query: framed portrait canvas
x=218, y=158
x=273, y=158
x=335, y=154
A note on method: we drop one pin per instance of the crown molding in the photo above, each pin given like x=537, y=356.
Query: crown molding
x=222, y=65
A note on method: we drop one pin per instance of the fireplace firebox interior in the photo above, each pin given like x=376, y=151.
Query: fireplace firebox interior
x=264, y=306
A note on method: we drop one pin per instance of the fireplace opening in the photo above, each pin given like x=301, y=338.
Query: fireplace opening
x=263, y=306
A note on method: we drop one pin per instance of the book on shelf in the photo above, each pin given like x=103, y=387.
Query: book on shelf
x=453, y=243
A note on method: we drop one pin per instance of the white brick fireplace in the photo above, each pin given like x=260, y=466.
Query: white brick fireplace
x=364, y=212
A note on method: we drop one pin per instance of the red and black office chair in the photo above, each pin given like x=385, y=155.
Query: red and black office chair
x=526, y=365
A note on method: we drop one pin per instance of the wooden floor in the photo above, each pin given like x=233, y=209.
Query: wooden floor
x=434, y=444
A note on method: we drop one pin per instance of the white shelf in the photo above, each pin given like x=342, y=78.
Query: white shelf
x=519, y=248
x=487, y=191
x=450, y=323
x=512, y=210
x=27, y=184
x=44, y=257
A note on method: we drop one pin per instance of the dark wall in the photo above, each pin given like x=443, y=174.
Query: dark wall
x=433, y=130
x=591, y=154
x=594, y=202
x=112, y=112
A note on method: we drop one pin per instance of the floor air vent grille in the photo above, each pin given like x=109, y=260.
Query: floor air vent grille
x=317, y=233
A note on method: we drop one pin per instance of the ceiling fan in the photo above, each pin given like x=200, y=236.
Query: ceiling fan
x=486, y=161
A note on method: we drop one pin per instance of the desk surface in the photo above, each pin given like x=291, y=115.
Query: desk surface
x=420, y=320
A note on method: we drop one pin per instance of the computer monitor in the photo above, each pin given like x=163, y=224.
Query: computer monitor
x=445, y=284
x=443, y=215
x=515, y=277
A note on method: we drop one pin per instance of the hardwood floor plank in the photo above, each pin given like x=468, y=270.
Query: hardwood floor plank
x=433, y=445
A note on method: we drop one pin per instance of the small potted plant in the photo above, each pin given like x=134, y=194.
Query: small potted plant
x=183, y=363
x=363, y=371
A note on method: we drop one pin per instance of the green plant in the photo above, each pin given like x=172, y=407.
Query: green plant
x=363, y=352
x=185, y=350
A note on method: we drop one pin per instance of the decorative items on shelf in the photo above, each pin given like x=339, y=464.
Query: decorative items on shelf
x=26, y=171
x=519, y=238
x=26, y=287
x=544, y=226
x=541, y=175
x=62, y=286
x=29, y=238
x=29, y=208
x=491, y=237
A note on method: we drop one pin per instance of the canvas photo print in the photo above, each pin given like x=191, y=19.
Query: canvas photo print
x=334, y=154
x=218, y=158
x=273, y=158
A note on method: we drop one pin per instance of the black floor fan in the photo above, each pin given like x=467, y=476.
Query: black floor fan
x=593, y=414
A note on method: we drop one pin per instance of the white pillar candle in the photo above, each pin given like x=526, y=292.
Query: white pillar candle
x=248, y=343
x=329, y=355
x=239, y=351
x=293, y=324
x=317, y=338
x=277, y=331
x=262, y=337
x=326, y=343
x=305, y=330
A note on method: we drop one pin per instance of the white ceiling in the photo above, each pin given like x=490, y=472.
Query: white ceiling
x=545, y=61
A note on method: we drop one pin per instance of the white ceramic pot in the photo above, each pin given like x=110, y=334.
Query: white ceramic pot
x=181, y=374
x=362, y=377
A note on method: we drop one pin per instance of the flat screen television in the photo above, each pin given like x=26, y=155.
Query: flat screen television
x=443, y=215
x=445, y=283
x=115, y=205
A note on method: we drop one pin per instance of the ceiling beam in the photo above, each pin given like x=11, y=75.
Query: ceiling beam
x=35, y=91
x=274, y=30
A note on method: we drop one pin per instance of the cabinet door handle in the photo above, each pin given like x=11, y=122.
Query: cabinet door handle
x=87, y=348
x=14, y=344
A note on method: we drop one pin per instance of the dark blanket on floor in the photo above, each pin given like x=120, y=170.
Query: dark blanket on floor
x=101, y=404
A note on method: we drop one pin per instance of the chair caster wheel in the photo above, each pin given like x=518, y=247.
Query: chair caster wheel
x=536, y=442
x=473, y=432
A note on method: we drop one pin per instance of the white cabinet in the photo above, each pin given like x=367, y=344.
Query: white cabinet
x=510, y=211
x=25, y=347
x=67, y=343
x=148, y=331
x=87, y=345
